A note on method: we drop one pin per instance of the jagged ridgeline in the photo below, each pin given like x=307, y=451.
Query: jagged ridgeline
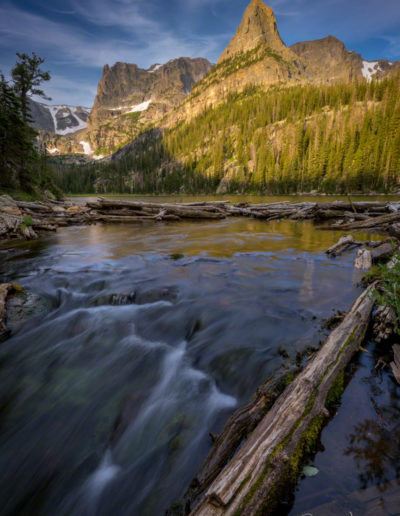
x=342, y=137
x=267, y=117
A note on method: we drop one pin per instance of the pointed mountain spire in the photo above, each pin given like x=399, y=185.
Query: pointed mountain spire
x=258, y=26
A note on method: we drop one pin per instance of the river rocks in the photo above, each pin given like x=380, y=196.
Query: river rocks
x=6, y=289
x=385, y=323
x=23, y=306
x=138, y=297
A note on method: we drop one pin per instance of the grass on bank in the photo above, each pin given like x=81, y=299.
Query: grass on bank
x=388, y=293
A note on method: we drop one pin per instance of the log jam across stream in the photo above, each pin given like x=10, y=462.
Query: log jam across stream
x=149, y=337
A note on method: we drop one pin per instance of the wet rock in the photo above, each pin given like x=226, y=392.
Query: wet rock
x=22, y=307
x=123, y=299
x=144, y=297
x=157, y=294
x=395, y=365
x=9, y=206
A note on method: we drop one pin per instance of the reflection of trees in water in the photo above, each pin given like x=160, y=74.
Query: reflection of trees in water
x=376, y=452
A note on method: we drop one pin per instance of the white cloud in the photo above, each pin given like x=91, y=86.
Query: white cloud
x=74, y=46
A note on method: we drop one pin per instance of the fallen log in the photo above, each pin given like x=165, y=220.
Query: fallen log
x=394, y=230
x=34, y=206
x=241, y=423
x=124, y=218
x=270, y=460
x=372, y=222
x=344, y=243
x=366, y=257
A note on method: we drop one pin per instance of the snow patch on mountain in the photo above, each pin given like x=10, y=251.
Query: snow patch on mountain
x=88, y=151
x=70, y=111
x=370, y=68
x=132, y=109
x=154, y=67
x=87, y=148
x=140, y=107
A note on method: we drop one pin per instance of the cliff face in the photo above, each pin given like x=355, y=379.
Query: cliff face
x=258, y=27
x=256, y=56
x=328, y=60
x=130, y=98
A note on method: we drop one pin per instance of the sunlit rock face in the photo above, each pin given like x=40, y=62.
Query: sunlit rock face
x=328, y=60
x=258, y=27
x=130, y=98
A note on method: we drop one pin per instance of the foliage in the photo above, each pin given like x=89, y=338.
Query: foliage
x=23, y=166
x=27, y=220
x=132, y=116
x=389, y=291
x=334, y=138
x=27, y=77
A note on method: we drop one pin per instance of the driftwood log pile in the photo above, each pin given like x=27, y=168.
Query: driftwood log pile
x=25, y=219
x=107, y=210
x=336, y=215
x=20, y=219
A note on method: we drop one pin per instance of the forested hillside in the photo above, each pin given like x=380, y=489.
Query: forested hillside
x=333, y=138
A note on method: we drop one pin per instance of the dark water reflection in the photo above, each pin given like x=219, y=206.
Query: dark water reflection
x=359, y=459
x=106, y=408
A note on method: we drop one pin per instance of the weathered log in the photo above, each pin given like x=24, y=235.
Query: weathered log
x=394, y=230
x=34, y=206
x=395, y=365
x=345, y=242
x=270, y=459
x=356, y=216
x=373, y=221
x=125, y=218
x=241, y=423
x=366, y=257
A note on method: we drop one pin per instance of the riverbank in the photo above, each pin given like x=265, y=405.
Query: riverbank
x=21, y=219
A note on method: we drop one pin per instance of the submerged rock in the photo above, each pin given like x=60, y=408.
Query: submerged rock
x=21, y=307
x=138, y=297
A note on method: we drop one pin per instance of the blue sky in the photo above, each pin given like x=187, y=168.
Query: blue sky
x=77, y=37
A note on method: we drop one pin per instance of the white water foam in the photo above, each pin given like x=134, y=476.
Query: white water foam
x=103, y=475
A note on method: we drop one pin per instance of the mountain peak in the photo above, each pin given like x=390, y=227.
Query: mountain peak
x=258, y=26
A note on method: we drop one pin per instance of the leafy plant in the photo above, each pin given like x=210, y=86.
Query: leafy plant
x=27, y=220
x=388, y=294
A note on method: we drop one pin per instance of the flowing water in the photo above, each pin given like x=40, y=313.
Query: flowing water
x=149, y=336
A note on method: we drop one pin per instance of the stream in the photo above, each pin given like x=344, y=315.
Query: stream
x=149, y=336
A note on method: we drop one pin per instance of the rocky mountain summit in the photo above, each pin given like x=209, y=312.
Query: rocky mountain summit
x=256, y=56
x=258, y=27
x=130, y=99
x=328, y=60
